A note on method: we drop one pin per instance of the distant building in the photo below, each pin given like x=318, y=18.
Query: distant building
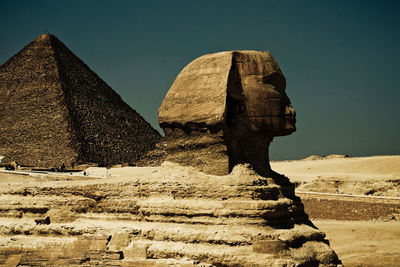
x=55, y=110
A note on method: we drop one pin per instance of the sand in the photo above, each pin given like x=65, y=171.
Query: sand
x=357, y=243
x=360, y=168
x=365, y=243
x=377, y=175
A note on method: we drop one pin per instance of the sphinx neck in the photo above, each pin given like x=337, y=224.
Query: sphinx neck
x=251, y=149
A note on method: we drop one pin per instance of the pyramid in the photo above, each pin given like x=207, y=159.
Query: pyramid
x=55, y=110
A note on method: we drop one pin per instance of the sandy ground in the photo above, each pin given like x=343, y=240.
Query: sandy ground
x=358, y=243
x=360, y=168
x=364, y=243
x=377, y=175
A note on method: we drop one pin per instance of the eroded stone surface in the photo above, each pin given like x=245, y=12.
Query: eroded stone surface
x=163, y=215
x=224, y=109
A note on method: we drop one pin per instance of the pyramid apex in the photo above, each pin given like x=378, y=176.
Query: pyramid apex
x=44, y=37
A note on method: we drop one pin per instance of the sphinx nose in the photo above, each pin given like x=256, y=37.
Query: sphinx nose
x=289, y=111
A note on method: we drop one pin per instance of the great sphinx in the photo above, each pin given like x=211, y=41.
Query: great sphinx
x=224, y=109
x=220, y=116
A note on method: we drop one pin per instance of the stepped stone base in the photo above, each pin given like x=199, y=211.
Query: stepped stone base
x=163, y=216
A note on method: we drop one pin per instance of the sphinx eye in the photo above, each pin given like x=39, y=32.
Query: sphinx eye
x=241, y=108
x=275, y=79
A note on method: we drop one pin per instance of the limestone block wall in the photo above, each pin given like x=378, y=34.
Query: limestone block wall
x=54, y=109
x=34, y=125
x=159, y=216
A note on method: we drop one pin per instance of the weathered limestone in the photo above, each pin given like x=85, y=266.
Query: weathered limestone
x=162, y=215
x=224, y=109
x=55, y=110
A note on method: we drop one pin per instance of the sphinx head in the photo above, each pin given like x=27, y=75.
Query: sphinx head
x=236, y=99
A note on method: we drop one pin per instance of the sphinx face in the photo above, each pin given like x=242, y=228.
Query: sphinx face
x=268, y=108
x=258, y=86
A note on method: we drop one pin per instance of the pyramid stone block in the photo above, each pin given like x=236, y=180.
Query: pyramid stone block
x=55, y=110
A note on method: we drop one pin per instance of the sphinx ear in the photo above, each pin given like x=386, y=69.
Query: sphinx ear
x=235, y=110
x=235, y=106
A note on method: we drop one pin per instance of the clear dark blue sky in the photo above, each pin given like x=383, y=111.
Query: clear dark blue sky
x=340, y=58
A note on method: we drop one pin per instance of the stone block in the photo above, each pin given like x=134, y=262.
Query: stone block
x=119, y=241
x=269, y=246
x=141, y=263
x=90, y=243
x=136, y=251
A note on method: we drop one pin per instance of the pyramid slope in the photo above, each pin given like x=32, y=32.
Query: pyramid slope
x=59, y=111
x=33, y=114
x=108, y=130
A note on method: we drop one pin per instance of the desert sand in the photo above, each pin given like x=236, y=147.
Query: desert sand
x=376, y=175
x=374, y=242
x=364, y=243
